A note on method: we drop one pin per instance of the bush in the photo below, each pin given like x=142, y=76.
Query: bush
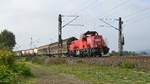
x=22, y=69
x=80, y=61
x=55, y=61
x=10, y=71
x=39, y=59
x=7, y=76
x=127, y=65
x=7, y=57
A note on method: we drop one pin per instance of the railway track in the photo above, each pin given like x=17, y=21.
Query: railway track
x=140, y=62
x=104, y=59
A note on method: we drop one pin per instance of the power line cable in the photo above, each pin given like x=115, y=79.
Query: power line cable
x=97, y=0
x=85, y=7
x=70, y=22
x=117, y=6
x=108, y=24
x=88, y=4
x=137, y=20
x=136, y=13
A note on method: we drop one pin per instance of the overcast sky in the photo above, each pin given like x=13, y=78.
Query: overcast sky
x=38, y=19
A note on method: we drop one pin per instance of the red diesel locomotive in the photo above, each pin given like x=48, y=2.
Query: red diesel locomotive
x=90, y=44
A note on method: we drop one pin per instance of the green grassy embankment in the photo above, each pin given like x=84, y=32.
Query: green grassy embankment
x=86, y=74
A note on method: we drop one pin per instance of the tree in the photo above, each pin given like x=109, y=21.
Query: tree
x=7, y=40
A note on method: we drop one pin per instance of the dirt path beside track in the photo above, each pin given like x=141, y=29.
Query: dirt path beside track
x=46, y=76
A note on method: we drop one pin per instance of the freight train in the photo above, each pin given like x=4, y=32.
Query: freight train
x=89, y=44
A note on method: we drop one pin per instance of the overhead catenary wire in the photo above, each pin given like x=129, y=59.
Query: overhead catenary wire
x=86, y=2
x=136, y=13
x=79, y=11
x=92, y=3
x=109, y=24
x=87, y=5
x=70, y=22
x=117, y=7
x=137, y=20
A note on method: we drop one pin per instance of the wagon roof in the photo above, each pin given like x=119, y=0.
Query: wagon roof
x=56, y=42
x=25, y=49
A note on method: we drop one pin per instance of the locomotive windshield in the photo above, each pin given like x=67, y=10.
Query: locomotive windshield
x=90, y=33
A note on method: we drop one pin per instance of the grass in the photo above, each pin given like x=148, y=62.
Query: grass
x=46, y=75
x=29, y=80
x=94, y=74
x=97, y=75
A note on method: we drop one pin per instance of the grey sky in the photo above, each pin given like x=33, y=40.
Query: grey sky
x=38, y=19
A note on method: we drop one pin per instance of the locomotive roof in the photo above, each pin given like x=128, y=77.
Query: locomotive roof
x=90, y=32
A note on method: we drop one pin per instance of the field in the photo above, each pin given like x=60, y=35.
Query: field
x=59, y=72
